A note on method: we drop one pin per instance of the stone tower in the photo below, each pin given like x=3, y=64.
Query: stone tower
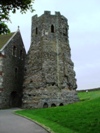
x=49, y=75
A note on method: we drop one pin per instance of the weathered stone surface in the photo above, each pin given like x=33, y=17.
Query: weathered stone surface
x=49, y=78
x=12, y=72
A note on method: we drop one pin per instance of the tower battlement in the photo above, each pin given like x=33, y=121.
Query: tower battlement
x=48, y=13
x=50, y=26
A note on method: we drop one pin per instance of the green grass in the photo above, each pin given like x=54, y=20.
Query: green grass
x=89, y=95
x=81, y=117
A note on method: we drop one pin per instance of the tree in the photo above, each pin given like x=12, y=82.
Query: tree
x=12, y=5
x=4, y=28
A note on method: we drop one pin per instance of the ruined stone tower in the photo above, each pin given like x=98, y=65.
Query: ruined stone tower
x=49, y=75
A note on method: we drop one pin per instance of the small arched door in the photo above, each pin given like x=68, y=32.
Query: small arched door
x=45, y=105
x=53, y=105
x=14, y=99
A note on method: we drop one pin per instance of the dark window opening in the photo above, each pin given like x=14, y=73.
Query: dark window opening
x=36, y=30
x=52, y=28
x=16, y=70
x=25, y=69
x=21, y=54
x=29, y=95
x=14, y=50
x=31, y=81
x=53, y=83
x=45, y=105
x=53, y=105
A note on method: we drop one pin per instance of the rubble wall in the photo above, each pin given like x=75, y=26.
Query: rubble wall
x=50, y=77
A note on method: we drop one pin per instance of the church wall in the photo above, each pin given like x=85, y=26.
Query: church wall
x=13, y=70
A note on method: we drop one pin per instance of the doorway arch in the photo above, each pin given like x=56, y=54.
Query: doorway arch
x=53, y=105
x=14, y=99
x=45, y=105
x=61, y=104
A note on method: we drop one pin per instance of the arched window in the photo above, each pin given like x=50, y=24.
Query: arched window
x=14, y=51
x=52, y=28
x=36, y=30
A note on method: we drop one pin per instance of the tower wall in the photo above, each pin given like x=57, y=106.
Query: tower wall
x=49, y=78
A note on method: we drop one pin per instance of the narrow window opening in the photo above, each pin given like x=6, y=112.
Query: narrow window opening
x=52, y=28
x=14, y=51
x=16, y=72
x=36, y=30
x=25, y=69
x=21, y=54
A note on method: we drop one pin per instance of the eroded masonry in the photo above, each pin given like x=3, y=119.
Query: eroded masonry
x=49, y=75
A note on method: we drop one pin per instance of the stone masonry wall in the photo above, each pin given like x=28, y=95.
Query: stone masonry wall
x=12, y=67
x=49, y=78
x=1, y=78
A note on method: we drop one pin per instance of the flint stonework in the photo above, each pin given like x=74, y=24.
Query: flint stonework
x=11, y=71
x=49, y=77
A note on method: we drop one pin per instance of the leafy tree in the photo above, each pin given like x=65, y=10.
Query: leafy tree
x=7, y=6
x=4, y=28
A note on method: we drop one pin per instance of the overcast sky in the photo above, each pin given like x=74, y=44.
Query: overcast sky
x=84, y=34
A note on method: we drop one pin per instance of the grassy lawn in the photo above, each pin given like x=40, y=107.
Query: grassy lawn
x=89, y=95
x=81, y=117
